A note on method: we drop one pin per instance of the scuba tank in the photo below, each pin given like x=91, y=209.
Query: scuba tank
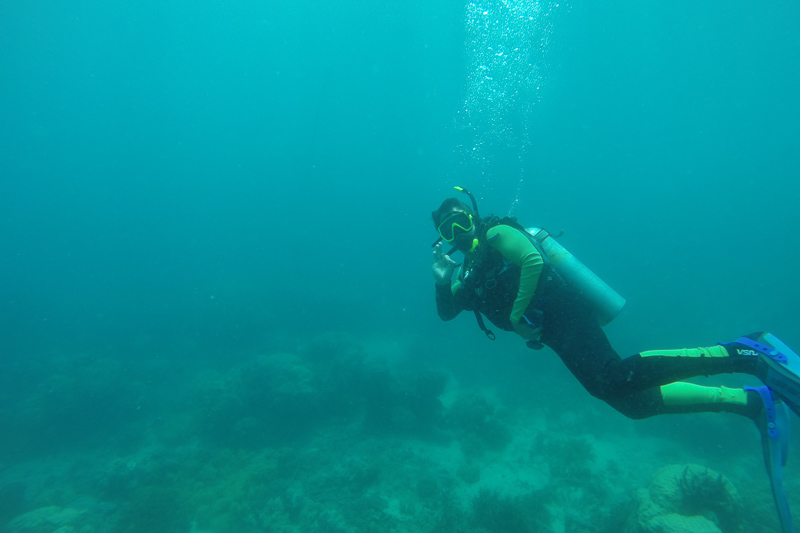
x=605, y=301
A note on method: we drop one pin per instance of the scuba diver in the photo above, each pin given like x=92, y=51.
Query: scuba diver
x=524, y=282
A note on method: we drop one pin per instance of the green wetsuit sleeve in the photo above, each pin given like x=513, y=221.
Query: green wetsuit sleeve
x=518, y=249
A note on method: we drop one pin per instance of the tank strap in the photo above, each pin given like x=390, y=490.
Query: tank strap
x=512, y=221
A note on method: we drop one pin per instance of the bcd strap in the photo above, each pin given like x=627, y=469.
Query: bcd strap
x=482, y=325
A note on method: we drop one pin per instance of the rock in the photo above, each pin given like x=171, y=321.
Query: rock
x=676, y=523
x=47, y=520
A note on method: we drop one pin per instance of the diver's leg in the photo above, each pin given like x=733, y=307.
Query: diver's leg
x=760, y=354
x=573, y=332
x=682, y=398
x=654, y=368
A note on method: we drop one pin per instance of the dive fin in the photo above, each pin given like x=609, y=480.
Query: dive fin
x=784, y=375
x=773, y=423
x=781, y=366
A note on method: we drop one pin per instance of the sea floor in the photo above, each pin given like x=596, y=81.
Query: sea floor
x=418, y=452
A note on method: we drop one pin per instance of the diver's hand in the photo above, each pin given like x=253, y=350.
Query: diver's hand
x=443, y=266
x=527, y=332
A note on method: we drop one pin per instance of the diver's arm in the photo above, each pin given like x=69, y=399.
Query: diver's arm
x=446, y=302
x=518, y=249
x=443, y=266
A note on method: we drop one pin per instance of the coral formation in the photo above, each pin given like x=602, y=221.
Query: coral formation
x=478, y=424
x=498, y=514
x=687, y=499
x=156, y=510
x=279, y=397
x=570, y=457
x=74, y=401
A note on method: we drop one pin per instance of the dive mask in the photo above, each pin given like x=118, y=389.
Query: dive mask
x=454, y=225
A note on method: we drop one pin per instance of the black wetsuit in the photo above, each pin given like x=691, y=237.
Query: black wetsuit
x=571, y=329
x=630, y=385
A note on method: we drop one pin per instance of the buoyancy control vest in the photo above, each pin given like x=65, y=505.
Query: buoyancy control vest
x=490, y=282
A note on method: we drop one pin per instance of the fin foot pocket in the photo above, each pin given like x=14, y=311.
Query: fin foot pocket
x=779, y=365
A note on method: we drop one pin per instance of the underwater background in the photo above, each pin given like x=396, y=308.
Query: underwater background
x=217, y=308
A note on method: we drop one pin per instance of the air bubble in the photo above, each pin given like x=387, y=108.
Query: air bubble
x=506, y=55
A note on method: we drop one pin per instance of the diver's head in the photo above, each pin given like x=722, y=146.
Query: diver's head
x=455, y=222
